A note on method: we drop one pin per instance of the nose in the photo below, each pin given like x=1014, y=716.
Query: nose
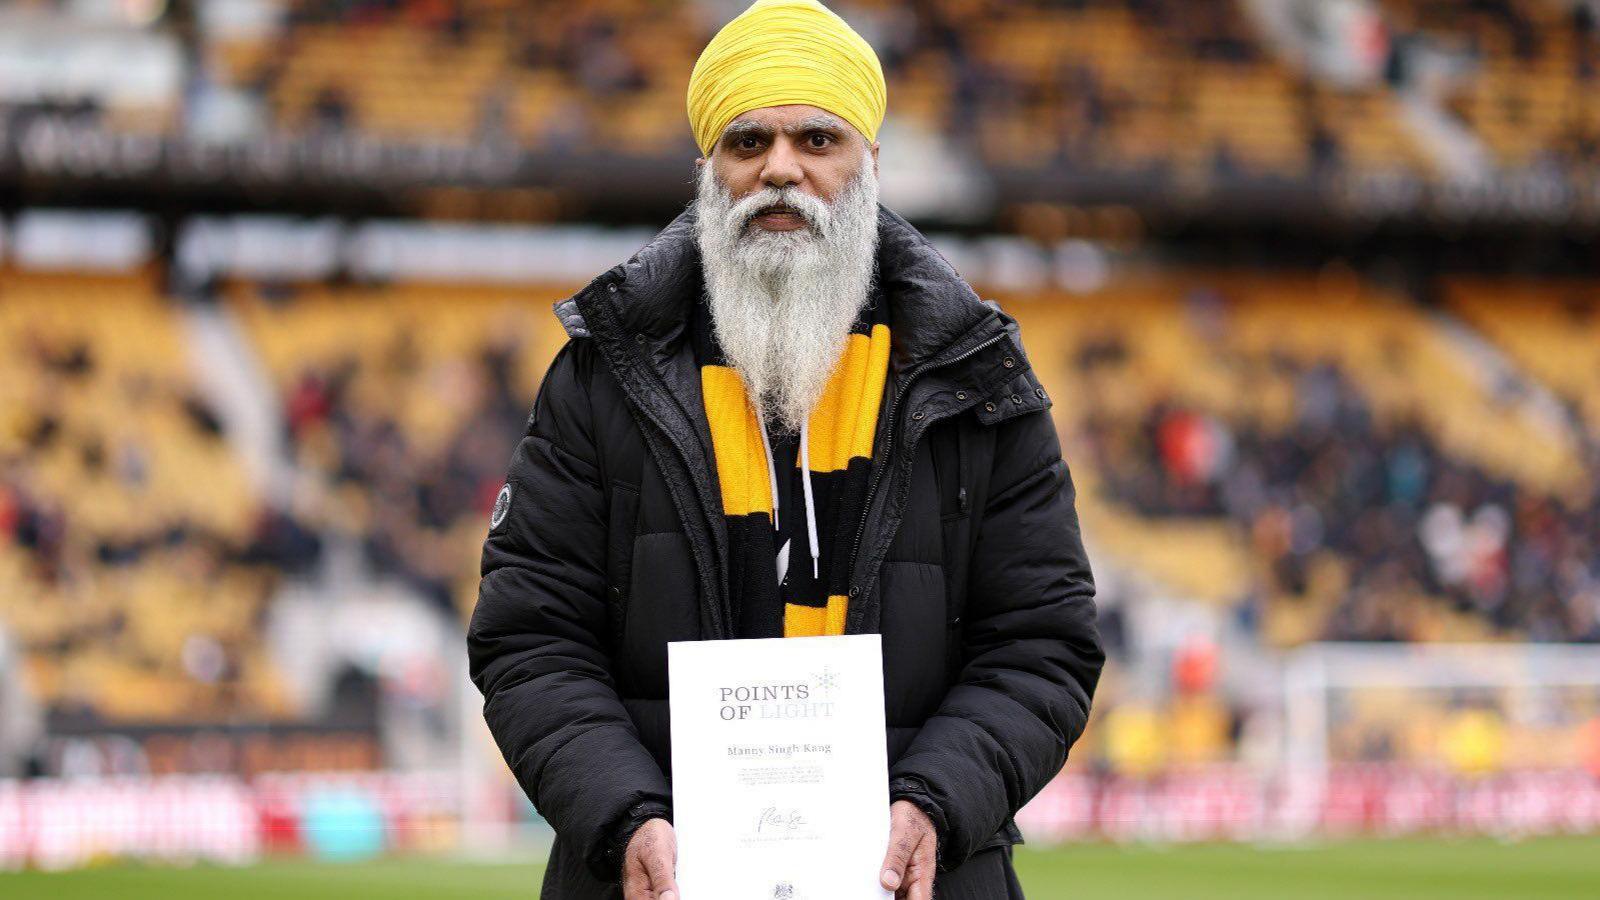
x=781, y=167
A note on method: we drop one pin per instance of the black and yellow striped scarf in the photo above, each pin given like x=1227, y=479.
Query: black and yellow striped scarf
x=839, y=439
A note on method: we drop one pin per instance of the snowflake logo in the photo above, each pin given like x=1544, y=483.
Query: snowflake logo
x=827, y=681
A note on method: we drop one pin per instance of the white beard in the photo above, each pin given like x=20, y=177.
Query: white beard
x=782, y=302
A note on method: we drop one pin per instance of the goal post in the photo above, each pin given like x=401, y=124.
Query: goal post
x=1484, y=720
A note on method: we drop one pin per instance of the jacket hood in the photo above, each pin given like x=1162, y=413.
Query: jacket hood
x=931, y=305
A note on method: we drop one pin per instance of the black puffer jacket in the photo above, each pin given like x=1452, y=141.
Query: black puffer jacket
x=611, y=544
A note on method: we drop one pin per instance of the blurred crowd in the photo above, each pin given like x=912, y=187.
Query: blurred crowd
x=407, y=501
x=1139, y=87
x=1369, y=93
x=135, y=587
x=1021, y=82
x=149, y=562
x=1409, y=521
x=141, y=560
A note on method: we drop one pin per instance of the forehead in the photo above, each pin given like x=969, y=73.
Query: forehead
x=791, y=115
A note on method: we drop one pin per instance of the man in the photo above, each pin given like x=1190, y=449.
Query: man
x=786, y=415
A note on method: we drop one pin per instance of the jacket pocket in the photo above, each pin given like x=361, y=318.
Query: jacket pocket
x=663, y=606
x=952, y=474
x=914, y=628
x=621, y=519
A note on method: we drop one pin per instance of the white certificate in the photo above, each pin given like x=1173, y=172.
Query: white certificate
x=779, y=771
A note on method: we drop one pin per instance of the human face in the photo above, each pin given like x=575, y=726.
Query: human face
x=796, y=145
x=782, y=301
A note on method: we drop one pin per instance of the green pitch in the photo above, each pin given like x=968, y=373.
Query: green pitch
x=1412, y=869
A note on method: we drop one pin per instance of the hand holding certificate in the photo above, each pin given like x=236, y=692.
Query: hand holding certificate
x=780, y=774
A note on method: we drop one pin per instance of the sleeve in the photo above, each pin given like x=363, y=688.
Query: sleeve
x=535, y=642
x=1030, y=649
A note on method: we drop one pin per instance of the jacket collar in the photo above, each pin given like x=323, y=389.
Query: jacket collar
x=932, y=308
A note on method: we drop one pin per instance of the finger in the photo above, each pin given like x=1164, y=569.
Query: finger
x=921, y=872
x=634, y=885
x=916, y=883
x=901, y=844
x=921, y=887
x=663, y=866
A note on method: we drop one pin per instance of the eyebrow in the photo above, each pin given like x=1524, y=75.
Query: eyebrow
x=763, y=130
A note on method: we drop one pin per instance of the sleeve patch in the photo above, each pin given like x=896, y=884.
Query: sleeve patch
x=502, y=505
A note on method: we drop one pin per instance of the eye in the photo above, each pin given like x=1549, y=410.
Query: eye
x=748, y=142
x=819, y=139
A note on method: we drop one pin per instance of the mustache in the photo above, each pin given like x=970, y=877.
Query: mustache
x=815, y=212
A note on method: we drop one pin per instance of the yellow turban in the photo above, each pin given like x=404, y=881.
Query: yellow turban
x=779, y=52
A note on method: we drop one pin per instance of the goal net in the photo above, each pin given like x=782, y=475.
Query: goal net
x=1395, y=738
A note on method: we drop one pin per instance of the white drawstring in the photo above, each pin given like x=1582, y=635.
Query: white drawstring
x=811, y=509
x=772, y=474
x=772, y=479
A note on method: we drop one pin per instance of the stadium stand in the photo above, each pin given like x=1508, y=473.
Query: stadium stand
x=1349, y=447
x=401, y=405
x=138, y=589
x=1531, y=94
x=1101, y=85
x=1313, y=454
x=134, y=585
x=1309, y=450
x=1551, y=327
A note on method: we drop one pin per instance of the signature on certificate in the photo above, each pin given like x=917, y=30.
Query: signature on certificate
x=774, y=819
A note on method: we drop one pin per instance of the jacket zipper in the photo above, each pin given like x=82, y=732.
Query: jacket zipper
x=723, y=614
x=894, y=403
x=962, y=475
x=683, y=457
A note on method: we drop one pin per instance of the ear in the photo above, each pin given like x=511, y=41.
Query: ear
x=874, y=159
